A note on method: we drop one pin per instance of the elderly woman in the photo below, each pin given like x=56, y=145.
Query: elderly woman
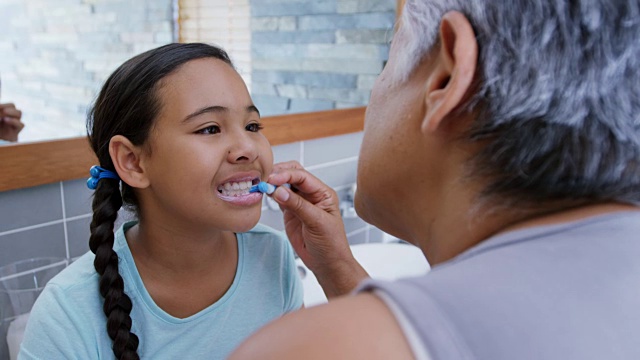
x=503, y=139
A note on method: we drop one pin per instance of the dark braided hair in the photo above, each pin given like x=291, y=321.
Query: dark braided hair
x=127, y=105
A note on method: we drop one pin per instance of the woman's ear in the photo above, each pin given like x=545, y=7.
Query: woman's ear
x=456, y=58
x=126, y=159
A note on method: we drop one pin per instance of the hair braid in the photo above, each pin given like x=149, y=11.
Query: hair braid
x=117, y=305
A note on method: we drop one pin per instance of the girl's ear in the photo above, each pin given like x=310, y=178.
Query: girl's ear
x=452, y=78
x=126, y=159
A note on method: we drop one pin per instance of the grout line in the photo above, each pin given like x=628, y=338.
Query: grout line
x=33, y=271
x=368, y=236
x=175, y=21
x=78, y=217
x=333, y=163
x=302, y=153
x=64, y=221
x=31, y=227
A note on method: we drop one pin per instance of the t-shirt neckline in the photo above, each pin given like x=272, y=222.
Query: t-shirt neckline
x=135, y=285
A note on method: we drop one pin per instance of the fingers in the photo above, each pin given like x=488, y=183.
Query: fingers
x=287, y=165
x=294, y=174
x=13, y=123
x=311, y=194
x=9, y=110
x=308, y=186
x=12, y=112
x=308, y=213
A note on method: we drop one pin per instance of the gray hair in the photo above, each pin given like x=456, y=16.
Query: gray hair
x=557, y=94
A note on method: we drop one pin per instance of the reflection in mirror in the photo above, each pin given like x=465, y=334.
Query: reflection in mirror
x=296, y=56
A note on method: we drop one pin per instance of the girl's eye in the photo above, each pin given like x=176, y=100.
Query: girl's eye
x=254, y=127
x=209, y=130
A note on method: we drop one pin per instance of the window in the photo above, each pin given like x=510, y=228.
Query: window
x=224, y=23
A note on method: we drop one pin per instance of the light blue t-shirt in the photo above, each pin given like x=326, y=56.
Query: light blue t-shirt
x=67, y=321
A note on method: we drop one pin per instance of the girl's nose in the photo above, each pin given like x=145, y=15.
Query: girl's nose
x=242, y=149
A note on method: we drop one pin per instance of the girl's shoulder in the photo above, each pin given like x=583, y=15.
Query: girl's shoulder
x=80, y=273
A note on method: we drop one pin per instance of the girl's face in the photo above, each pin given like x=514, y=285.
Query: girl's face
x=205, y=150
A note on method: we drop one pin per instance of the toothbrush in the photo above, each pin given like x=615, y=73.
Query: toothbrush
x=263, y=187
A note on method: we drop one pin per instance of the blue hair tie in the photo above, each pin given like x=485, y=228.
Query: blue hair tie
x=98, y=173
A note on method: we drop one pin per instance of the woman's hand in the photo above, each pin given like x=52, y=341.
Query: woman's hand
x=314, y=226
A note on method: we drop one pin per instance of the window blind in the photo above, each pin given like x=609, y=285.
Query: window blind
x=225, y=23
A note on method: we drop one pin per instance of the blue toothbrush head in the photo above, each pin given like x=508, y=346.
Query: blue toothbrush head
x=263, y=187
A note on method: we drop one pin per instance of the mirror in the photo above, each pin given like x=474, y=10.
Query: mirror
x=298, y=56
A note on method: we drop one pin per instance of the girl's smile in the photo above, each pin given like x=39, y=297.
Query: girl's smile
x=236, y=190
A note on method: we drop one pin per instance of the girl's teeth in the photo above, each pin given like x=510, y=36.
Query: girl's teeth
x=235, y=188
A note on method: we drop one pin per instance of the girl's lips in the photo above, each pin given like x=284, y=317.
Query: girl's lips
x=242, y=200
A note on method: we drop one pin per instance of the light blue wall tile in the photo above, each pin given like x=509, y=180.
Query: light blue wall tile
x=30, y=206
x=263, y=8
x=271, y=105
x=375, y=235
x=77, y=197
x=359, y=238
x=290, y=37
x=286, y=152
x=332, y=148
x=306, y=105
x=310, y=79
x=358, y=21
x=337, y=175
x=78, y=236
x=355, y=224
x=45, y=241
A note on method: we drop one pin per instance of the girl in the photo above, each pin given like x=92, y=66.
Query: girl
x=178, y=140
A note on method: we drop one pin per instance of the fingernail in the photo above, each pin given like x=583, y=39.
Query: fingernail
x=282, y=195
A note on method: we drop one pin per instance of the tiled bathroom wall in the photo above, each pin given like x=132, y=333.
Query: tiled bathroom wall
x=317, y=55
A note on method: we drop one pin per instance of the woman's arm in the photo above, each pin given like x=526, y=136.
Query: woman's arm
x=315, y=228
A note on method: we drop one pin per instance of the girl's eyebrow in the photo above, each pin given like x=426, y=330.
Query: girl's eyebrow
x=253, y=108
x=217, y=109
